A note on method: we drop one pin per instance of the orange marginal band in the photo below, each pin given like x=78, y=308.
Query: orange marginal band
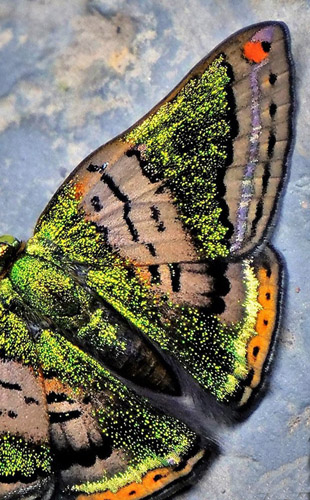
x=259, y=345
x=153, y=481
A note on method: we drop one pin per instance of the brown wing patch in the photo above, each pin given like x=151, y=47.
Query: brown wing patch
x=82, y=452
x=185, y=283
x=139, y=217
x=23, y=414
x=22, y=403
x=235, y=297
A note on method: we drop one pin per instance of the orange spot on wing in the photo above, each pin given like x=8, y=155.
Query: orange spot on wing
x=254, y=52
x=80, y=189
x=55, y=385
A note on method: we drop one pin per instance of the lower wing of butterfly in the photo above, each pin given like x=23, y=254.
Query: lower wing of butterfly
x=70, y=430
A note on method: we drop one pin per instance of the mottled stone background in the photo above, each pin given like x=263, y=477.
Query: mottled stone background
x=75, y=73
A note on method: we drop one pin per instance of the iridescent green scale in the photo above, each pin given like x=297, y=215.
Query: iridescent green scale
x=142, y=313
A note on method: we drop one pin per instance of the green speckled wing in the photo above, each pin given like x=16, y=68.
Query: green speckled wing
x=168, y=222
x=71, y=429
x=150, y=276
x=199, y=176
x=107, y=442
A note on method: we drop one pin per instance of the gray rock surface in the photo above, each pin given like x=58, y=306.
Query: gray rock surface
x=75, y=74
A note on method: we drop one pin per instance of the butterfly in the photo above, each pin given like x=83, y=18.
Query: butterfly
x=143, y=312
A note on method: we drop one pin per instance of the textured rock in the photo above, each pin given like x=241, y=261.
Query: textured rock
x=75, y=74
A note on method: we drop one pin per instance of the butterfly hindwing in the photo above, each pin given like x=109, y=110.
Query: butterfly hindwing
x=107, y=442
x=68, y=427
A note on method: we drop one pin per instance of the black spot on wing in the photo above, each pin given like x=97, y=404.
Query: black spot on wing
x=133, y=231
x=272, y=78
x=160, y=189
x=175, y=274
x=10, y=386
x=155, y=274
x=58, y=397
x=97, y=168
x=260, y=204
x=93, y=168
x=155, y=215
x=12, y=414
x=31, y=401
x=95, y=202
x=109, y=181
x=272, y=109
x=59, y=417
x=151, y=249
x=157, y=477
x=271, y=144
x=267, y=267
x=66, y=456
x=255, y=351
x=266, y=46
x=221, y=286
x=266, y=177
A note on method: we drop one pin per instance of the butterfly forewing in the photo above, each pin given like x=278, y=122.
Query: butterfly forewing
x=241, y=111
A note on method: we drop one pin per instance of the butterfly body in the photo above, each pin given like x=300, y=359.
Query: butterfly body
x=149, y=275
